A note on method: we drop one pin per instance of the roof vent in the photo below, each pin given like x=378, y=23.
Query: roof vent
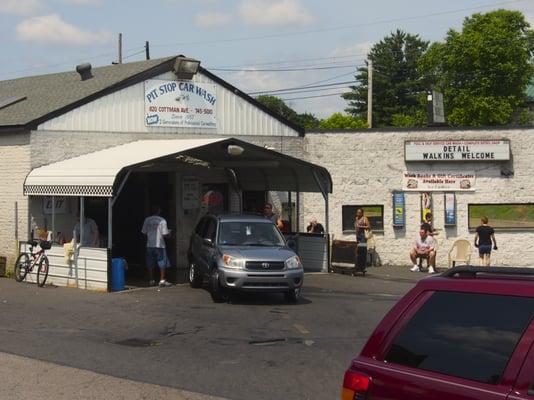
x=85, y=71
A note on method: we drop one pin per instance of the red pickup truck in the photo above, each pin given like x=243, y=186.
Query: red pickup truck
x=466, y=334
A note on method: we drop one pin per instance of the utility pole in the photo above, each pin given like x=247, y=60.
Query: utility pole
x=147, y=50
x=370, y=93
x=120, y=48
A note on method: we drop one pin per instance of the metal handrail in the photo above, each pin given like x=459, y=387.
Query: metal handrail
x=474, y=270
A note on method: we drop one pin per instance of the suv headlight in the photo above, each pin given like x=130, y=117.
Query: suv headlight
x=293, y=263
x=233, y=262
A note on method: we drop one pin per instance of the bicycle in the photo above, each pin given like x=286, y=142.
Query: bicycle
x=28, y=260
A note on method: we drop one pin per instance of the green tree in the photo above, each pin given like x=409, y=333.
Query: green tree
x=278, y=106
x=341, y=121
x=397, y=88
x=482, y=70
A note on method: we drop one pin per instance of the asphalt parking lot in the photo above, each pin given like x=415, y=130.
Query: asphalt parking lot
x=254, y=347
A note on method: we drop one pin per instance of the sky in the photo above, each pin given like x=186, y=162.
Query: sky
x=259, y=46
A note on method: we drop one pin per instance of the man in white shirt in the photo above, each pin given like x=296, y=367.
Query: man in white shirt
x=155, y=229
x=424, y=246
x=90, y=232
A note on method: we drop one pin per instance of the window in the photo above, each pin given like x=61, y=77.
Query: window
x=375, y=214
x=506, y=216
x=467, y=335
x=210, y=229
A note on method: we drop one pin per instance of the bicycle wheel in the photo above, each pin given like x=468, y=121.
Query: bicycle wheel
x=21, y=266
x=42, y=271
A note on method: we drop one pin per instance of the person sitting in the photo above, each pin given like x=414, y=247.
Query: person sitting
x=424, y=246
x=314, y=226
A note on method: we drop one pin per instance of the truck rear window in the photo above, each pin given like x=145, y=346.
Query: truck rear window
x=466, y=335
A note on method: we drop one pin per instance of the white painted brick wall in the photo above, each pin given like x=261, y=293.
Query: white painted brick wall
x=14, y=166
x=367, y=166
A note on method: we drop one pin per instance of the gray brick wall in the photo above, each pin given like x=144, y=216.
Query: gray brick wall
x=366, y=166
x=14, y=167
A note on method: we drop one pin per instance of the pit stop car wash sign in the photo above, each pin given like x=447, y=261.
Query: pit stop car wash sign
x=182, y=104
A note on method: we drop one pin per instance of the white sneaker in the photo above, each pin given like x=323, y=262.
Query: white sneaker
x=415, y=268
x=431, y=270
x=164, y=284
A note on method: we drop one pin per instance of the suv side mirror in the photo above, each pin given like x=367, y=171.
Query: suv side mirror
x=207, y=242
x=292, y=244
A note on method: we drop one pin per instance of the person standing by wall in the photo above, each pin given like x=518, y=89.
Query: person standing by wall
x=269, y=214
x=90, y=232
x=483, y=238
x=155, y=229
x=361, y=225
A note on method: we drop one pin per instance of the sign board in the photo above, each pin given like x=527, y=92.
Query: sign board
x=450, y=209
x=438, y=111
x=190, y=193
x=60, y=204
x=181, y=104
x=438, y=181
x=457, y=150
x=399, y=209
x=426, y=205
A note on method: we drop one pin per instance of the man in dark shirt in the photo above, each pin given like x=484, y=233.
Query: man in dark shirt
x=483, y=238
x=428, y=225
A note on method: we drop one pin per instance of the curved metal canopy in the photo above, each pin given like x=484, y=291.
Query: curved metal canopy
x=256, y=168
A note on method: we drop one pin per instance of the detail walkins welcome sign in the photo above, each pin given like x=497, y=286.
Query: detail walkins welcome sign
x=457, y=150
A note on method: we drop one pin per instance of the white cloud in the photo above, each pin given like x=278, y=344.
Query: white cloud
x=274, y=12
x=80, y=2
x=212, y=20
x=358, y=50
x=20, y=7
x=52, y=29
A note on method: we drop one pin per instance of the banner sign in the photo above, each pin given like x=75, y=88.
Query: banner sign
x=59, y=202
x=426, y=205
x=457, y=150
x=438, y=181
x=450, y=209
x=180, y=104
x=399, y=211
x=190, y=193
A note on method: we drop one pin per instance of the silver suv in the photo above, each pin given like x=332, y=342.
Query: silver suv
x=239, y=252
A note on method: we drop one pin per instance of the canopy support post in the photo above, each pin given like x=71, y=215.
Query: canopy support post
x=121, y=186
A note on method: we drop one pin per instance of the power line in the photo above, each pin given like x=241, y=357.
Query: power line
x=283, y=69
x=313, y=97
x=386, y=21
x=300, y=87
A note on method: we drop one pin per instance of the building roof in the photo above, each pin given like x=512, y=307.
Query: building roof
x=61, y=92
x=29, y=101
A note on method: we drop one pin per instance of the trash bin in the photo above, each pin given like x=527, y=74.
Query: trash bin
x=117, y=274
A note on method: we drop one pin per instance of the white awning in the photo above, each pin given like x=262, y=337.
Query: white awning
x=257, y=168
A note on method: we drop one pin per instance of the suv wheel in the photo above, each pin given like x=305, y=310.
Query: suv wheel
x=217, y=292
x=195, y=277
x=293, y=295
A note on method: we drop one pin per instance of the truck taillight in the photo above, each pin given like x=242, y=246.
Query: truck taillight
x=355, y=385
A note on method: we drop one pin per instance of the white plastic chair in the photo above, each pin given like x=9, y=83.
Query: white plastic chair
x=460, y=252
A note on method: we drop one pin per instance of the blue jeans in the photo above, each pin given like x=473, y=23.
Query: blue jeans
x=156, y=257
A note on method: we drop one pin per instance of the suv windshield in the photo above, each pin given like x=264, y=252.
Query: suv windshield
x=250, y=233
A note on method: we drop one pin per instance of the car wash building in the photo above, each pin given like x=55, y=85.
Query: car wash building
x=101, y=146
x=107, y=143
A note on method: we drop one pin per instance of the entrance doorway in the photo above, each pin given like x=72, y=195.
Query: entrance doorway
x=129, y=212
